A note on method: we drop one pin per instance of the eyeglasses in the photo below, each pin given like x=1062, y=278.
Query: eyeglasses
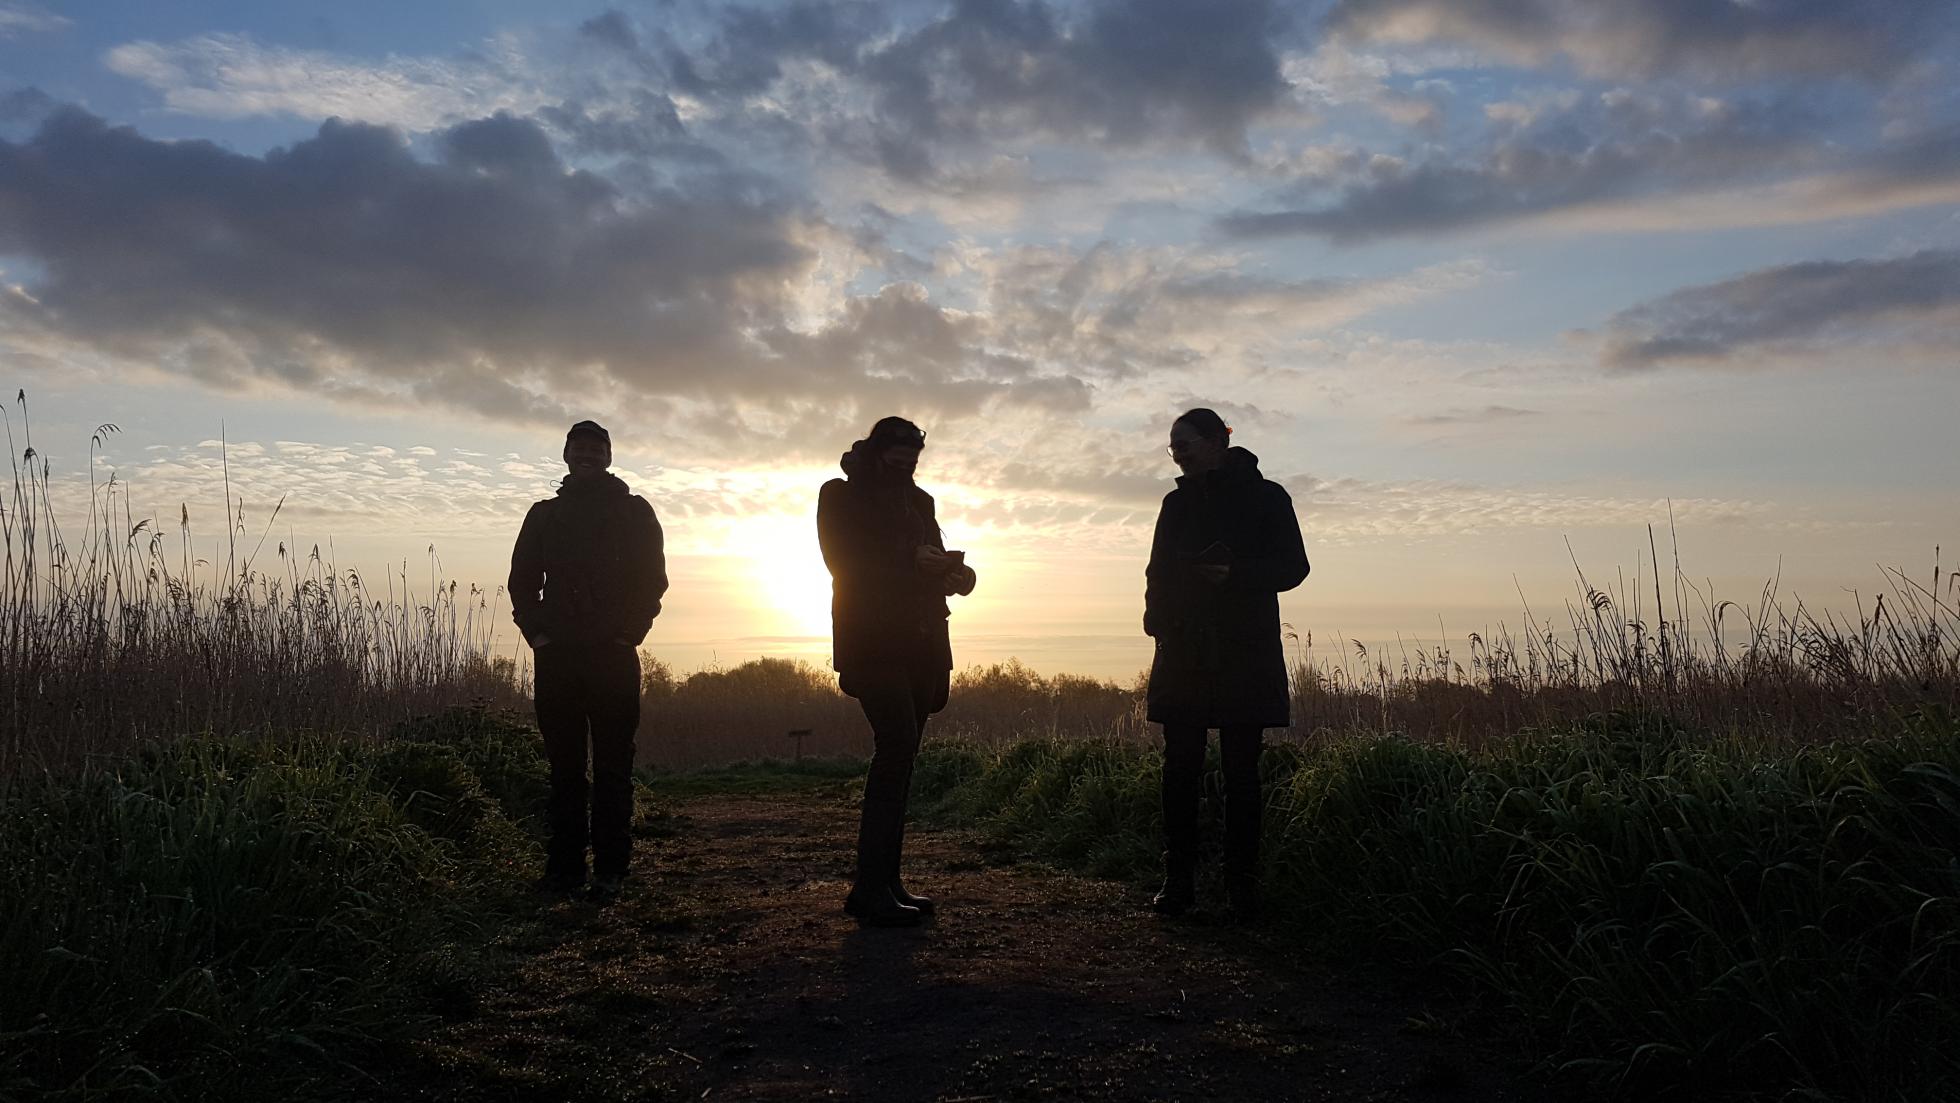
x=1179, y=447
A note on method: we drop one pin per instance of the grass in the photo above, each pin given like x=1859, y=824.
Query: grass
x=1673, y=913
x=110, y=636
x=761, y=777
x=233, y=918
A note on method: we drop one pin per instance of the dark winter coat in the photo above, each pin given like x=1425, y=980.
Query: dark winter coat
x=884, y=612
x=590, y=565
x=1220, y=661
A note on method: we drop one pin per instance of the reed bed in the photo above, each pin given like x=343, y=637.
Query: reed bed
x=1775, y=671
x=1774, y=668
x=117, y=634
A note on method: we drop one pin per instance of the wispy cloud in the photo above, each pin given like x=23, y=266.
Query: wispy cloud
x=1611, y=38
x=1493, y=413
x=1545, y=159
x=231, y=76
x=18, y=18
x=1790, y=308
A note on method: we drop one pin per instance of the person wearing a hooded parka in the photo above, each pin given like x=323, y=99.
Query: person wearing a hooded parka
x=890, y=577
x=586, y=579
x=1227, y=544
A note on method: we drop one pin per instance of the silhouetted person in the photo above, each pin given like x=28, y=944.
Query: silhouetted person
x=586, y=580
x=1226, y=545
x=890, y=577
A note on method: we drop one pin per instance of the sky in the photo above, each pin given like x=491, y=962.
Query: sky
x=1489, y=286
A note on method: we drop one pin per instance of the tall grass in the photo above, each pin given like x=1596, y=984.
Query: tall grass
x=117, y=632
x=1775, y=667
x=1776, y=671
x=1677, y=915
x=238, y=918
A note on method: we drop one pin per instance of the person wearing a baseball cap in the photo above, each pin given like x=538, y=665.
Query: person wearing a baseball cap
x=890, y=577
x=586, y=579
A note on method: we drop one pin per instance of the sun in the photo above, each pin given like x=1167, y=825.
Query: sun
x=787, y=572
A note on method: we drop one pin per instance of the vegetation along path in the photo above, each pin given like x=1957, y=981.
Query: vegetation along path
x=729, y=972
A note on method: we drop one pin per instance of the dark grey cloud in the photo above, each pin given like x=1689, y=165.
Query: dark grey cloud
x=613, y=29
x=647, y=127
x=1122, y=72
x=491, y=278
x=1792, y=305
x=751, y=44
x=1614, y=146
x=25, y=105
x=1133, y=73
x=1639, y=38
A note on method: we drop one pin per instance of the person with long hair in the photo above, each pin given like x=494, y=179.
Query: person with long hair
x=1227, y=544
x=890, y=577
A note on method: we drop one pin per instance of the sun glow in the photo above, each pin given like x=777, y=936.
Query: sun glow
x=790, y=581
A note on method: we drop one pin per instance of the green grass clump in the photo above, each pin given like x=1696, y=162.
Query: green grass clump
x=1675, y=914
x=758, y=777
x=218, y=915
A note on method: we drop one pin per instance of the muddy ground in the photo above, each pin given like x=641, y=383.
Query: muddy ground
x=729, y=972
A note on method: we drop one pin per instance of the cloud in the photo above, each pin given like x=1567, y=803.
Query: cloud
x=25, y=105
x=1789, y=308
x=1126, y=73
x=232, y=76
x=1613, y=38
x=17, y=18
x=1487, y=415
x=494, y=279
x=491, y=278
x=1616, y=162
x=1119, y=312
x=1359, y=509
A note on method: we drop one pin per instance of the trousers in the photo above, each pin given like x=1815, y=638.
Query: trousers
x=588, y=700
x=896, y=702
x=1184, y=764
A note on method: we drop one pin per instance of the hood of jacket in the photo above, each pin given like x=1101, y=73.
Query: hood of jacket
x=1240, y=466
x=861, y=467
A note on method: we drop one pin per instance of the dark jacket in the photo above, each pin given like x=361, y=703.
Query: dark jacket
x=883, y=611
x=589, y=567
x=1219, y=657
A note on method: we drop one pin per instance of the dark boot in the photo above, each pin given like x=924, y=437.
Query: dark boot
x=871, y=901
x=1179, y=891
x=924, y=904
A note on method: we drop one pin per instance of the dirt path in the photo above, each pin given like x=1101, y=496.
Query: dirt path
x=729, y=972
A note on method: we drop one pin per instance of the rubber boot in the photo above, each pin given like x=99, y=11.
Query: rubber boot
x=1179, y=891
x=871, y=902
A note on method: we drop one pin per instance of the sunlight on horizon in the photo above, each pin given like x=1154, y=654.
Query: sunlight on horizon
x=785, y=568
